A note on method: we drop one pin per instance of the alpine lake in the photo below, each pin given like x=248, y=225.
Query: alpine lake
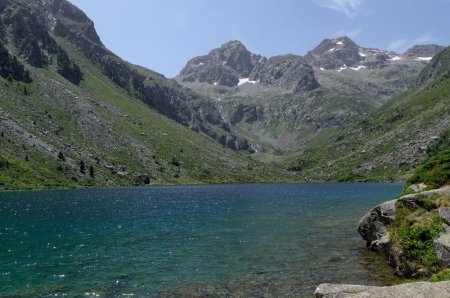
x=255, y=240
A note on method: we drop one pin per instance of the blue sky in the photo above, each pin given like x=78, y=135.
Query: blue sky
x=164, y=34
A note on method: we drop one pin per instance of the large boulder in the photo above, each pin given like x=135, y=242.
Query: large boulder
x=373, y=227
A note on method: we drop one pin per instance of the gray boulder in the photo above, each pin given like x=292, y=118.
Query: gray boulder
x=442, y=246
x=373, y=227
x=445, y=215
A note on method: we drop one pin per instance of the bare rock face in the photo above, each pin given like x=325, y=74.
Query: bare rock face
x=373, y=227
x=419, y=289
x=288, y=72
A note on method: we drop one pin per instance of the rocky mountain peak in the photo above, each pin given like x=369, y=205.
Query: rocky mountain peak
x=222, y=66
x=428, y=50
x=233, y=45
x=235, y=55
x=335, y=53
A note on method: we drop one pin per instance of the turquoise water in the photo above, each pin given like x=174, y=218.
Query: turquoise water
x=266, y=240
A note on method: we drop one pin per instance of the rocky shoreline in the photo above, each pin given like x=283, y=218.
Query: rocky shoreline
x=374, y=227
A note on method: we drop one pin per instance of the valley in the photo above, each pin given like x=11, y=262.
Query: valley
x=74, y=114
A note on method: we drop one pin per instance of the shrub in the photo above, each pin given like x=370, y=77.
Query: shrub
x=417, y=243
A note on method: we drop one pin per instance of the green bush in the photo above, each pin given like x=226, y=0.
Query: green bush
x=4, y=164
x=415, y=229
x=417, y=243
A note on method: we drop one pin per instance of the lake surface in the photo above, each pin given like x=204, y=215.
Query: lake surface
x=266, y=240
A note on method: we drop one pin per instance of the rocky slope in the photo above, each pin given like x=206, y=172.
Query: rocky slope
x=72, y=113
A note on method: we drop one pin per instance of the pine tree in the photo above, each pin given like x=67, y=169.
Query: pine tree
x=82, y=167
x=91, y=171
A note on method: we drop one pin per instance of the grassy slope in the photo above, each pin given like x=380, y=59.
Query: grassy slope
x=120, y=137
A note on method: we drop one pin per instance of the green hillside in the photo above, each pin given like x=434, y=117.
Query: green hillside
x=67, y=122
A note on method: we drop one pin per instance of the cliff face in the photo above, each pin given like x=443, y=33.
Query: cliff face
x=391, y=228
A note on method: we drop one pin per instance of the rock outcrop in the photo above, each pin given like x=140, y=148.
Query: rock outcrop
x=374, y=229
x=419, y=289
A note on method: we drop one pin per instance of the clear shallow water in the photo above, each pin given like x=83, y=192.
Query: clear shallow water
x=236, y=240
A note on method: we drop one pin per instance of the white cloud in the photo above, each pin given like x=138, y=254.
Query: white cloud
x=403, y=44
x=349, y=7
x=397, y=44
x=350, y=33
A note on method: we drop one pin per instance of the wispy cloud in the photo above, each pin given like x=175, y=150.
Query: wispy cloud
x=398, y=44
x=349, y=7
x=350, y=33
x=403, y=44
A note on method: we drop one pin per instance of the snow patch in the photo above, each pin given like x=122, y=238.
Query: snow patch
x=339, y=42
x=245, y=80
x=215, y=83
x=342, y=68
x=322, y=68
x=331, y=50
x=395, y=58
x=423, y=58
x=358, y=67
x=362, y=54
x=201, y=63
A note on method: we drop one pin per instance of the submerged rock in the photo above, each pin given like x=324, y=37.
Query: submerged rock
x=419, y=289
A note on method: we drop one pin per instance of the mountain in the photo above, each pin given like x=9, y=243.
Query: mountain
x=373, y=74
x=393, y=140
x=73, y=113
x=280, y=104
x=232, y=65
x=222, y=66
